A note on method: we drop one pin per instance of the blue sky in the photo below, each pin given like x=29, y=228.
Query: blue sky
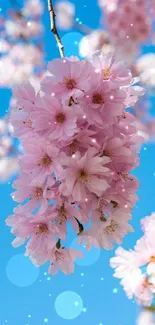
x=91, y=296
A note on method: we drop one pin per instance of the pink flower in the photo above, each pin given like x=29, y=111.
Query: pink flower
x=145, y=248
x=38, y=193
x=126, y=269
x=123, y=33
x=125, y=262
x=144, y=291
x=59, y=122
x=22, y=124
x=40, y=158
x=84, y=174
x=33, y=8
x=112, y=71
x=69, y=77
x=148, y=223
x=25, y=96
x=110, y=230
x=145, y=317
x=63, y=212
x=115, y=148
x=65, y=11
x=132, y=94
x=40, y=232
x=81, y=141
x=63, y=259
x=101, y=104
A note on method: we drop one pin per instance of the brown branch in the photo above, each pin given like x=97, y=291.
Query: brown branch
x=54, y=29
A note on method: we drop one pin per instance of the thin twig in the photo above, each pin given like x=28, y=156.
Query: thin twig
x=54, y=29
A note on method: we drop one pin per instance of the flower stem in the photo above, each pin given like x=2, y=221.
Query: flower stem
x=54, y=29
x=58, y=244
x=80, y=226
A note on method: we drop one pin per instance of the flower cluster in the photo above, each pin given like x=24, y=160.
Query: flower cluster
x=20, y=44
x=136, y=268
x=22, y=58
x=128, y=22
x=79, y=145
x=65, y=11
x=123, y=37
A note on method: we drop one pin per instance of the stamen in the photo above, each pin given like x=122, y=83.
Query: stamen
x=45, y=161
x=70, y=83
x=60, y=117
x=83, y=175
x=41, y=228
x=28, y=123
x=98, y=99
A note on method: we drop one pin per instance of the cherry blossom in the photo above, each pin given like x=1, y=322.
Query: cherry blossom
x=145, y=318
x=136, y=268
x=79, y=147
x=69, y=77
x=65, y=11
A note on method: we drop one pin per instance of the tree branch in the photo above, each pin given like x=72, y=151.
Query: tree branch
x=54, y=29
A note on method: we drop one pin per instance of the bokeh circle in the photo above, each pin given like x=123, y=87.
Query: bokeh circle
x=68, y=305
x=21, y=272
x=71, y=43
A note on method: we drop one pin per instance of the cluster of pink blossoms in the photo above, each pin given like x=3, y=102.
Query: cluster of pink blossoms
x=22, y=58
x=128, y=22
x=138, y=282
x=79, y=145
x=21, y=48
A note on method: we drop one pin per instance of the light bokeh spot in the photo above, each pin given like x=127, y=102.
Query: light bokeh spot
x=21, y=272
x=68, y=305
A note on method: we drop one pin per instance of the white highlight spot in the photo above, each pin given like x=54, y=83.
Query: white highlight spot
x=45, y=320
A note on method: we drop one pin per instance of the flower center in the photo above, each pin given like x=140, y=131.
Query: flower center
x=111, y=228
x=59, y=256
x=37, y=193
x=45, y=161
x=152, y=259
x=84, y=175
x=107, y=74
x=107, y=153
x=98, y=99
x=60, y=117
x=70, y=83
x=145, y=283
x=41, y=228
x=73, y=146
x=28, y=123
